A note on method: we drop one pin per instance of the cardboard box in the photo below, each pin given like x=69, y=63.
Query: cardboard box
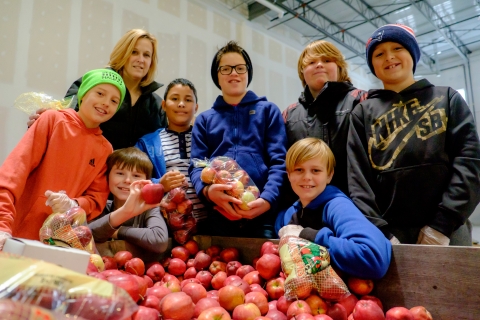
x=73, y=259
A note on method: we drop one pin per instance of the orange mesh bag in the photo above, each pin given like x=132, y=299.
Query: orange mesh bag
x=307, y=267
x=68, y=229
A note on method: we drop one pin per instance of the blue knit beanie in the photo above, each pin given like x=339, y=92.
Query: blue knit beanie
x=398, y=33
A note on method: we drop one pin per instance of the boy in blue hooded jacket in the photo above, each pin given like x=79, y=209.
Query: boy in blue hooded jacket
x=248, y=129
x=325, y=215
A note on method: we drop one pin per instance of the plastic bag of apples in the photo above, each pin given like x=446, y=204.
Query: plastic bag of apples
x=68, y=229
x=177, y=210
x=225, y=170
x=307, y=266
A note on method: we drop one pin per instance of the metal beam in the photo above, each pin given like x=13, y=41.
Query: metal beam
x=374, y=18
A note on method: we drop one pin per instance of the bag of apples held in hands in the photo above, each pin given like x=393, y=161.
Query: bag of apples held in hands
x=307, y=266
x=225, y=170
x=68, y=229
x=177, y=210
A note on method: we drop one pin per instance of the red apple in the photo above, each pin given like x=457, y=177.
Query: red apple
x=259, y=300
x=190, y=273
x=218, y=280
x=217, y=266
x=230, y=254
x=360, y=286
x=212, y=294
x=217, y=163
x=420, y=313
x=189, y=280
x=317, y=304
x=297, y=307
x=185, y=207
x=84, y=235
x=178, y=306
x=367, y=310
x=349, y=301
x=231, y=296
x=173, y=285
x=231, y=279
x=237, y=188
x=97, y=261
x=232, y=267
x=398, y=313
x=192, y=247
x=202, y=261
x=374, y=299
x=213, y=250
x=151, y=301
x=204, y=304
x=167, y=207
x=177, y=267
x=121, y=257
x=255, y=287
x=207, y=175
x=253, y=277
x=276, y=315
x=158, y=291
x=269, y=266
x=283, y=304
x=246, y=311
x=128, y=283
x=190, y=262
x=145, y=313
x=135, y=266
x=231, y=165
x=110, y=263
x=272, y=305
x=337, y=312
x=214, y=313
x=111, y=272
x=243, y=270
x=222, y=177
x=304, y=316
x=195, y=290
x=324, y=317
x=142, y=285
x=152, y=193
x=241, y=284
x=180, y=253
x=269, y=247
x=242, y=176
x=177, y=195
x=165, y=262
x=275, y=288
x=205, y=278
x=148, y=280
x=156, y=272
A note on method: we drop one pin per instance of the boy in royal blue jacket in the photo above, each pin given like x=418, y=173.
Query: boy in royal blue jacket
x=248, y=129
x=325, y=215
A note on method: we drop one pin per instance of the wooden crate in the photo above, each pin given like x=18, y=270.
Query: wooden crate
x=445, y=280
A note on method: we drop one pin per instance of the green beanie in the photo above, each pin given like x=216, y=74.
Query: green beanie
x=98, y=76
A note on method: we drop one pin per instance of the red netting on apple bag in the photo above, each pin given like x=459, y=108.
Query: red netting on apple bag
x=177, y=210
x=307, y=267
x=68, y=229
x=225, y=170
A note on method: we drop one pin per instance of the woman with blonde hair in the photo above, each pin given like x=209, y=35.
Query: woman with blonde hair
x=134, y=57
x=323, y=108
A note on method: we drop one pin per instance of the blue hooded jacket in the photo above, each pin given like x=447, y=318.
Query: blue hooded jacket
x=355, y=245
x=151, y=144
x=252, y=133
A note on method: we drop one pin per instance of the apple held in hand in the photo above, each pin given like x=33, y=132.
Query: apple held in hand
x=152, y=193
x=207, y=175
x=246, y=198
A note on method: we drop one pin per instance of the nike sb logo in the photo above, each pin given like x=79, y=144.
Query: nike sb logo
x=92, y=162
x=405, y=121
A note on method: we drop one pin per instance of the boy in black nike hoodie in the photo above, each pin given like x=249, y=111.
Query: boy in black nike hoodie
x=413, y=149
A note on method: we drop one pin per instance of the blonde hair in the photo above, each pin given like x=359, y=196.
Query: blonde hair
x=322, y=48
x=307, y=149
x=124, y=48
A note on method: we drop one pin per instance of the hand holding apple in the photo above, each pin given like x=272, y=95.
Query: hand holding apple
x=152, y=193
x=172, y=179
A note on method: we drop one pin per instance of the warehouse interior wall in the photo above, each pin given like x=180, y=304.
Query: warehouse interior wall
x=47, y=44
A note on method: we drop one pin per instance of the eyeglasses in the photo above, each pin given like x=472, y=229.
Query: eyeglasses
x=239, y=68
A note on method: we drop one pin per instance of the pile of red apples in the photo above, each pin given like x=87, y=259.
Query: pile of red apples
x=212, y=284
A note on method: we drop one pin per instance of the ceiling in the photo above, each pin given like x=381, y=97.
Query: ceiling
x=446, y=30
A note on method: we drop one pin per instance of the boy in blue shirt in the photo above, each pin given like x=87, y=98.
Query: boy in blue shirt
x=325, y=215
x=248, y=129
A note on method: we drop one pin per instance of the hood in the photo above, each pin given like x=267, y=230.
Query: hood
x=249, y=98
x=420, y=84
x=73, y=116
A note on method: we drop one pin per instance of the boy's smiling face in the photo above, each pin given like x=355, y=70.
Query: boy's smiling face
x=180, y=107
x=99, y=104
x=309, y=179
x=119, y=181
x=234, y=85
x=319, y=70
x=393, y=65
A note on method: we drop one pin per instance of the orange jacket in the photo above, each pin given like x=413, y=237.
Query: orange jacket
x=57, y=153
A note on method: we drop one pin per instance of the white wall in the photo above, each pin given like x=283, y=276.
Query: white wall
x=47, y=44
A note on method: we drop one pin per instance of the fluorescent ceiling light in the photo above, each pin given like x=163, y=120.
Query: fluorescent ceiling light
x=272, y=7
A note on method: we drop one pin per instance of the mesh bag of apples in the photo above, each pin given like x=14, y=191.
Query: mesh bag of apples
x=307, y=266
x=46, y=285
x=177, y=210
x=225, y=170
x=68, y=229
